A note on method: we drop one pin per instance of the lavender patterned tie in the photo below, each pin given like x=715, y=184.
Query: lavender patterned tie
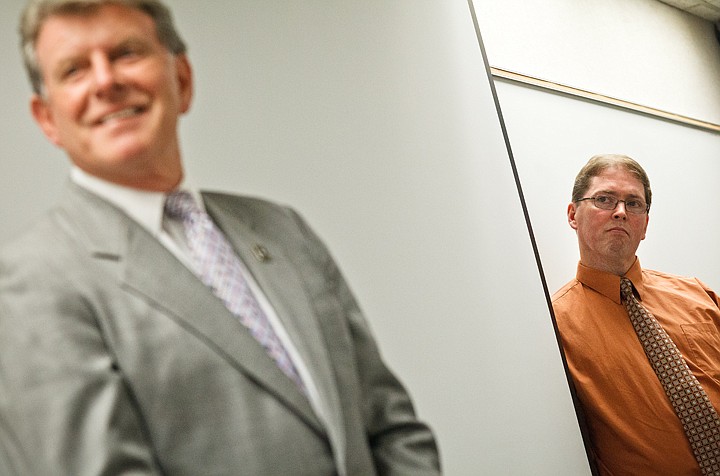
x=692, y=405
x=220, y=269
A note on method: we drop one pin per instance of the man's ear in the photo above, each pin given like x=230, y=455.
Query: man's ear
x=43, y=116
x=571, y=209
x=647, y=221
x=185, y=81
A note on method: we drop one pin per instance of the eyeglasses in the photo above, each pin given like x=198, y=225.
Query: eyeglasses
x=608, y=202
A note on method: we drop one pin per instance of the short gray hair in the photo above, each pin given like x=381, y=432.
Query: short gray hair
x=36, y=12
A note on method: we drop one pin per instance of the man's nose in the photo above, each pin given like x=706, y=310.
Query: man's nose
x=620, y=212
x=104, y=74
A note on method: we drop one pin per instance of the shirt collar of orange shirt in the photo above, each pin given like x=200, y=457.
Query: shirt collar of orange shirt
x=608, y=284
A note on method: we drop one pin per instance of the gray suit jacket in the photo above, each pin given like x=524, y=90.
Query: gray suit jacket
x=115, y=359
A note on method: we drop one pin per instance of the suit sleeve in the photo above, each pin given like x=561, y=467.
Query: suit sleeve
x=400, y=443
x=65, y=408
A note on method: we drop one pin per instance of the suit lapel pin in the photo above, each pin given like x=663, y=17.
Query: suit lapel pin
x=261, y=253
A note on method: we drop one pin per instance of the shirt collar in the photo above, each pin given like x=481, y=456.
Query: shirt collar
x=608, y=284
x=145, y=207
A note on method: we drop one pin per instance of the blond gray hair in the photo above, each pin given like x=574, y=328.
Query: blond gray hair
x=36, y=12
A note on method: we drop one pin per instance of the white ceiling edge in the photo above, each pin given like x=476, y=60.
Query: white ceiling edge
x=707, y=9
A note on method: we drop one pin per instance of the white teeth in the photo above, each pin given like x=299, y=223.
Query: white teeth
x=121, y=114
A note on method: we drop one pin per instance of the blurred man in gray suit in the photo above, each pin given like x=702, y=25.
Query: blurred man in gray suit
x=147, y=328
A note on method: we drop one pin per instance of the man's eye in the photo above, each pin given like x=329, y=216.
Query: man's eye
x=130, y=51
x=602, y=199
x=70, y=71
x=633, y=203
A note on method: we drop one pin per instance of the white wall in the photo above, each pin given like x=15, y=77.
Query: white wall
x=642, y=51
x=375, y=120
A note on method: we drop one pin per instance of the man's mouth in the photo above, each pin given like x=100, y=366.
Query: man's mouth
x=121, y=114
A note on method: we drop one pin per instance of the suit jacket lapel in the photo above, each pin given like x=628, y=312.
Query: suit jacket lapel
x=278, y=278
x=114, y=237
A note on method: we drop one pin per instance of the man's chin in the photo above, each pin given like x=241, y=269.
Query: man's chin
x=621, y=252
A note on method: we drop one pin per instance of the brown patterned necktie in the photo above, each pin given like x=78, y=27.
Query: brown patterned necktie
x=692, y=405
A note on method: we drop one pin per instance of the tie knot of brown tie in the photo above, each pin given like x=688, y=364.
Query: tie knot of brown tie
x=626, y=289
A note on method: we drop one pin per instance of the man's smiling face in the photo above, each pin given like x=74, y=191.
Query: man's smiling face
x=112, y=95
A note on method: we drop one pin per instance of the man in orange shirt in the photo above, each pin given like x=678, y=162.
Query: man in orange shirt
x=635, y=427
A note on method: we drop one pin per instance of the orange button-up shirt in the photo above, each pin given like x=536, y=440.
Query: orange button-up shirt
x=632, y=425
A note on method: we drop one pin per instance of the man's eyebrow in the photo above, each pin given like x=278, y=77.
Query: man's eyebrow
x=616, y=194
x=131, y=41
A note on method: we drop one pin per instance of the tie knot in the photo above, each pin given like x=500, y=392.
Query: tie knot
x=626, y=288
x=180, y=205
